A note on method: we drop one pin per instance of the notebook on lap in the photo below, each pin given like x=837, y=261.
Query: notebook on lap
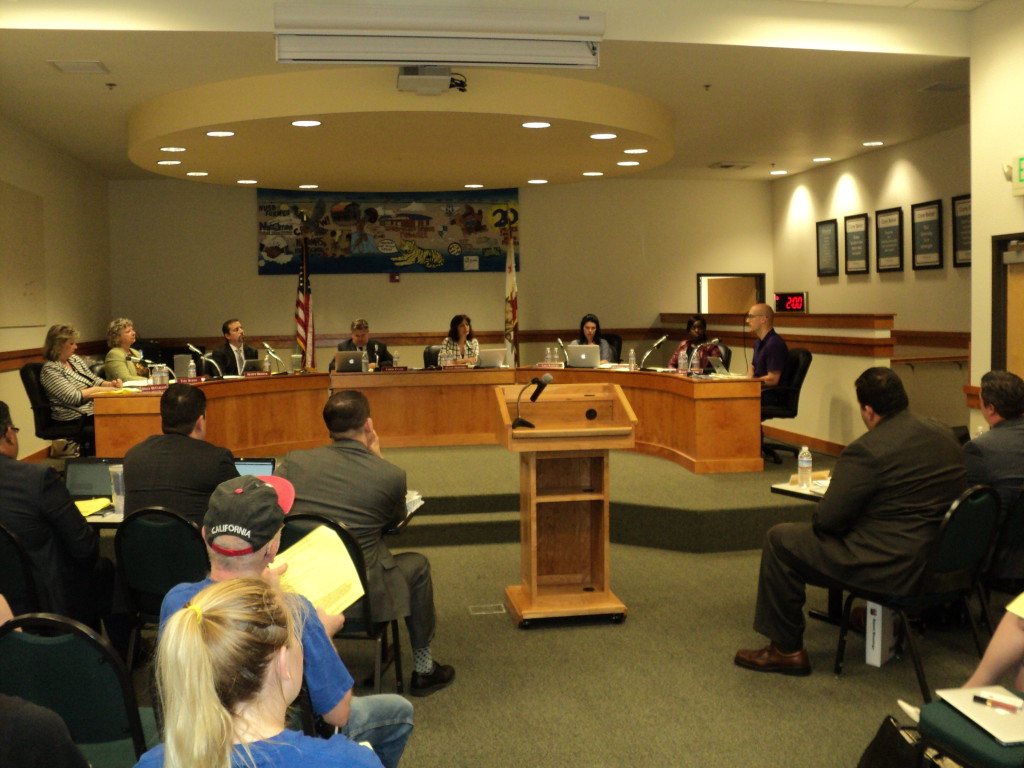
x=583, y=355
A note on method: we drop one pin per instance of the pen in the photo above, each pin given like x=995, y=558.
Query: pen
x=997, y=704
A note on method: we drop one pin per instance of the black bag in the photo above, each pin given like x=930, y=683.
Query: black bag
x=894, y=746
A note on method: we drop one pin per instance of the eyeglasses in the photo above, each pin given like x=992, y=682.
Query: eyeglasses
x=751, y=317
x=12, y=427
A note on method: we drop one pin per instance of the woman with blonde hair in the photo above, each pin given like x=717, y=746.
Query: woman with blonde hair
x=66, y=379
x=120, y=337
x=228, y=666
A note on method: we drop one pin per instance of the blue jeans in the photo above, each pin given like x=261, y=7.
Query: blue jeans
x=383, y=720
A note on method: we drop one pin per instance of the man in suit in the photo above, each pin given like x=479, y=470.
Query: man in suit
x=232, y=356
x=178, y=469
x=890, y=489
x=376, y=351
x=770, y=352
x=996, y=458
x=71, y=578
x=351, y=482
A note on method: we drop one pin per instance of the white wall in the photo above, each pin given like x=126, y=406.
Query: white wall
x=936, y=167
x=75, y=253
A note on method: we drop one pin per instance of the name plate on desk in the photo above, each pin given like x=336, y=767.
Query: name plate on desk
x=152, y=388
x=549, y=365
x=393, y=368
x=191, y=379
x=460, y=367
x=256, y=374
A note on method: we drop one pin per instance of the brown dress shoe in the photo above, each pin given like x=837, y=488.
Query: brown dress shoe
x=771, y=659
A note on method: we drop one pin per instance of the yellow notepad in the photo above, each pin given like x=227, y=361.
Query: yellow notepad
x=320, y=569
x=92, y=506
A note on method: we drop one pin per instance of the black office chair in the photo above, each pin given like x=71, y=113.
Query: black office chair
x=157, y=549
x=952, y=572
x=785, y=400
x=359, y=622
x=63, y=665
x=48, y=428
x=431, y=353
x=615, y=342
x=99, y=369
x=725, y=353
x=17, y=582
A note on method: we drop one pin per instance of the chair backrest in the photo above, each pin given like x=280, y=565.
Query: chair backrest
x=790, y=382
x=1010, y=539
x=17, y=583
x=63, y=665
x=615, y=342
x=157, y=549
x=430, y=354
x=962, y=545
x=725, y=353
x=297, y=525
x=31, y=380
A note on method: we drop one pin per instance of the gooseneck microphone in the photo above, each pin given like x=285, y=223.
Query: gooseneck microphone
x=273, y=354
x=695, y=355
x=657, y=344
x=565, y=352
x=540, y=384
x=208, y=357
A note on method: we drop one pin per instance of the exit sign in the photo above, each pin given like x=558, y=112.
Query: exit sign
x=1018, y=177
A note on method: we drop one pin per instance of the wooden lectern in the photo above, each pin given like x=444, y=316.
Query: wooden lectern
x=563, y=496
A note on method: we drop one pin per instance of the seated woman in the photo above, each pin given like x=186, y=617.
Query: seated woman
x=697, y=333
x=590, y=333
x=228, y=665
x=1005, y=651
x=66, y=378
x=116, y=365
x=459, y=347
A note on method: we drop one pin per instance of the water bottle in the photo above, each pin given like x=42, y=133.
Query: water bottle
x=632, y=359
x=547, y=355
x=366, y=362
x=191, y=368
x=694, y=365
x=266, y=363
x=394, y=359
x=804, y=467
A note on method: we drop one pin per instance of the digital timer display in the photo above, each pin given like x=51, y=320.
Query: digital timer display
x=791, y=302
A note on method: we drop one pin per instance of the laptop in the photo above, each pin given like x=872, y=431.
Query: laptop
x=88, y=477
x=348, y=362
x=490, y=358
x=1005, y=727
x=263, y=466
x=584, y=355
x=719, y=367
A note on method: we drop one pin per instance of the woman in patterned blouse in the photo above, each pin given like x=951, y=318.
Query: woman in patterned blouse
x=66, y=378
x=459, y=347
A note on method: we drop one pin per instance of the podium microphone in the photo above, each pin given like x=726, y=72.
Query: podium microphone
x=139, y=359
x=207, y=357
x=657, y=344
x=565, y=354
x=540, y=383
x=273, y=354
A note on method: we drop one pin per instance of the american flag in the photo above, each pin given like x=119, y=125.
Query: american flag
x=305, y=338
x=511, y=304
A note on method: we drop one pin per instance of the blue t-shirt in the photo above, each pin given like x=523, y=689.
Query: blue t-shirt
x=770, y=354
x=326, y=676
x=290, y=749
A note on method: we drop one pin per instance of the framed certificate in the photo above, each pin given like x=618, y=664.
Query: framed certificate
x=828, y=248
x=889, y=240
x=962, y=231
x=856, y=243
x=926, y=234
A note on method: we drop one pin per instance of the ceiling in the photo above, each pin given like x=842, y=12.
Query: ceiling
x=753, y=108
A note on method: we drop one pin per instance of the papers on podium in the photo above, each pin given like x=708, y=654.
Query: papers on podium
x=320, y=569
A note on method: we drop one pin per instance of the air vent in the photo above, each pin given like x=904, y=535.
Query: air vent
x=945, y=86
x=731, y=165
x=81, y=67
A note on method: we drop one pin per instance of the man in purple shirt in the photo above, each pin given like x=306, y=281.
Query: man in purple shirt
x=770, y=352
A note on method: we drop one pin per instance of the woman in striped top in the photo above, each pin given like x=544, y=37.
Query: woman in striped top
x=66, y=378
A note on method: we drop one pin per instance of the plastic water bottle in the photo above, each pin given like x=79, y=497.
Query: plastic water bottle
x=804, y=464
x=632, y=359
x=366, y=362
x=266, y=363
x=694, y=365
x=547, y=355
x=191, y=368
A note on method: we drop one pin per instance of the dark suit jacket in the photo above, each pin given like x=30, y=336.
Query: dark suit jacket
x=225, y=358
x=175, y=471
x=346, y=481
x=36, y=506
x=889, y=491
x=996, y=458
x=376, y=352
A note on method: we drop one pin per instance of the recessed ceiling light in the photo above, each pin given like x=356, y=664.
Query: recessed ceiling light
x=603, y=136
x=593, y=173
x=473, y=186
x=168, y=162
x=874, y=143
x=248, y=181
x=172, y=149
x=627, y=162
x=220, y=134
x=305, y=123
x=822, y=159
x=309, y=186
x=197, y=173
x=536, y=124
x=538, y=181
x=635, y=151
x=778, y=173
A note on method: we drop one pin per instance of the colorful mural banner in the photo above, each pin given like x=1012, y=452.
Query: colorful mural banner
x=367, y=232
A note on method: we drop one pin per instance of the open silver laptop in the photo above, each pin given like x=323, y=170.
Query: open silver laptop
x=348, y=362
x=584, y=355
x=718, y=366
x=490, y=358
x=1006, y=727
